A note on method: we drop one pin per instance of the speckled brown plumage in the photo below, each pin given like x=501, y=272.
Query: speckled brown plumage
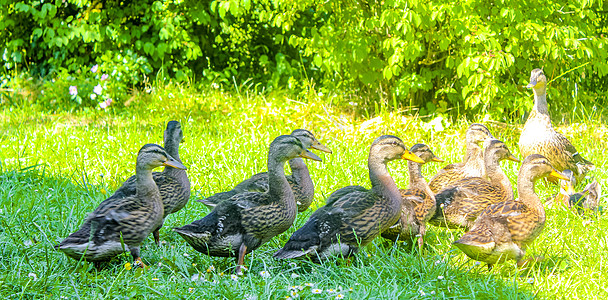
x=299, y=180
x=472, y=165
x=173, y=184
x=123, y=219
x=245, y=221
x=538, y=135
x=504, y=230
x=459, y=205
x=353, y=216
x=418, y=201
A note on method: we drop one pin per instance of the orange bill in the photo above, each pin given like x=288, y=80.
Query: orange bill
x=558, y=175
x=411, y=156
x=318, y=146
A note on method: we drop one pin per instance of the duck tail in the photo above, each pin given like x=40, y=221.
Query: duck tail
x=302, y=242
x=477, y=243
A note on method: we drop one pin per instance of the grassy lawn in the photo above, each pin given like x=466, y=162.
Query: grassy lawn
x=55, y=168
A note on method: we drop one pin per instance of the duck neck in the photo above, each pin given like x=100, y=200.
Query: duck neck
x=527, y=196
x=474, y=161
x=473, y=150
x=300, y=174
x=145, y=186
x=278, y=187
x=417, y=181
x=382, y=182
x=540, y=100
x=496, y=176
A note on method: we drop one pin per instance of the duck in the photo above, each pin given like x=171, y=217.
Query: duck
x=473, y=164
x=504, y=230
x=539, y=137
x=418, y=200
x=173, y=183
x=121, y=224
x=245, y=221
x=353, y=216
x=299, y=180
x=585, y=200
x=459, y=205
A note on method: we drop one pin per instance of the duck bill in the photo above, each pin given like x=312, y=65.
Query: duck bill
x=175, y=164
x=511, y=157
x=412, y=157
x=436, y=159
x=558, y=175
x=531, y=84
x=310, y=155
x=318, y=146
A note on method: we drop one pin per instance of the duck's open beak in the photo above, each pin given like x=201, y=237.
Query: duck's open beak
x=558, y=175
x=310, y=155
x=174, y=164
x=511, y=157
x=436, y=159
x=318, y=146
x=411, y=156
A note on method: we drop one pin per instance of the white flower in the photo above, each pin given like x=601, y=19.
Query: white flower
x=97, y=89
x=93, y=96
x=308, y=284
x=317, y=291
x=190, y=290
x=432, y=292
x=422, y=293
x=186, y=255
x=294, y=294
x=440, y=277
x=234, y=277
x=94, y=68
x=294, y=275
x=210, y=269
x=320, y=94
x=265, y=274
x=339, y=296
x=531, y=281
x=33, y=275
x=155, y=279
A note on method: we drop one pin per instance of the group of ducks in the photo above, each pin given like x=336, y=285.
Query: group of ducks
x=475, y=195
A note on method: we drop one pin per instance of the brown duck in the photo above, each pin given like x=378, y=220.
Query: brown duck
x=459, y=205
x=538, y=135
x=504, y=230
x=473, y=165
x=299, y=180
x=172, y=183
x=585, y=200
x=418, y=200
x=122, y=223
x=353, y=215
x=246, y=221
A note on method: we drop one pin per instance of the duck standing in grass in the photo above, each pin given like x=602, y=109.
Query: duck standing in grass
x=299, y=180
x=353, y=215
x=504, y=230
x=459, y=205
x=586, y=200
x=120, y=224
x=418, y=200
x=538, y=135
x=246, y=221
x=172, y=183
x=473, y=164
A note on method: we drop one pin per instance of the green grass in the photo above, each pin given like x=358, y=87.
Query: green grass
x=57, y=167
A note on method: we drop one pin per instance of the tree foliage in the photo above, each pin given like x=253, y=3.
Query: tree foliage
x=437, y=55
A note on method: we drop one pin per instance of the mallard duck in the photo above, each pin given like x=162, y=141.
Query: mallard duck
x=299, y=180
x=353, y=215
x=538, y=135
x=586, y=200
x=418, y=200
x=121, y=224
x=473, y=165
x=245, y=221
x=172, y=183
x=504, y=230
x=459, y=205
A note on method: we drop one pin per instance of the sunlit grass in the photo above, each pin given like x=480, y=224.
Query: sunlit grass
x=55, y=168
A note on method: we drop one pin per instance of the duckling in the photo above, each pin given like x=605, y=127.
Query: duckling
x=459, y=205
x=121, y=224
x=586, y=200
x=473, y=165
x=504, y=230
x=418, y=200
x=299, y=180
x=246, y=221
x=538, y=135
x=353, y=215
x=172, y=183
